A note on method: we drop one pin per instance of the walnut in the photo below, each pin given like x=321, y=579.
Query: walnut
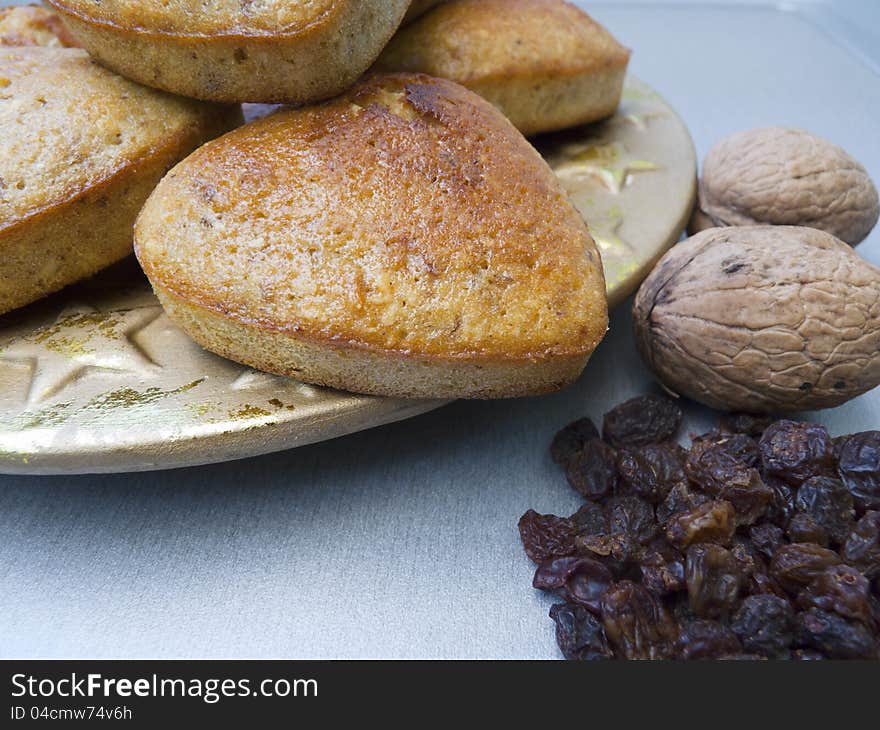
x=762, y=319
x=784, y=176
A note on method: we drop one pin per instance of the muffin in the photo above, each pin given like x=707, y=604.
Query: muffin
x=273, y=51
x=418, y=8
x=402, y=240
x=83, y=148
x=544, y=63
x=31, y=25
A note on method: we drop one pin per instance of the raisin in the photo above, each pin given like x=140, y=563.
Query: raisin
x=862, y=547
x=747, y=423
x=631, y=524
x=797, y=565
x=766, y=538
x=580, y=580
x=794, y=451
x=807, y=655
x=590, y=519
x=617, y=551
x=592, y=472
x=833, y=635
x=647, y=419
x=803, y=528
x=571, y=440
x=652, y=471
x=711, y=522
x=841, y=590
x=719, y=473
x=761, y=583
x=546, y=536
x=747, y=557
x=713, y=580
x=709, y=553
x=703, y=639
x=579, y=634
x=680, y=499
x=780, y=509
x=829, y=503
x=662, y=569
x=630, y=515
x=859, y=468
x=736, y=447
x=765, y=625
x=637, y=626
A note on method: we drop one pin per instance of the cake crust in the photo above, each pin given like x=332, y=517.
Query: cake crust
x=544, y=63
x=442, y=247
x=273, y=52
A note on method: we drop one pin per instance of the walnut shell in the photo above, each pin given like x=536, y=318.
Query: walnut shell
x=762, y=319
x=782, y=176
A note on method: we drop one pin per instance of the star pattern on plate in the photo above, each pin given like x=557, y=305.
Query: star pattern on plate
x=609, y=163
x=79, y=340
x=640, y=120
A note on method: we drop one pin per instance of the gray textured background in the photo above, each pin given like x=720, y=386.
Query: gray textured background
x=401, y=541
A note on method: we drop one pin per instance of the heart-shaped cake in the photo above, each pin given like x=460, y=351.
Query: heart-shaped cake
x=403, y=239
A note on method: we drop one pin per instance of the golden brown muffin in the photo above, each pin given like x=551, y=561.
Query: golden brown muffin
x=544, y=63
x=83, y=148
x=235, y=51
x=31, y=25
x=402, y=240
x=417, y=8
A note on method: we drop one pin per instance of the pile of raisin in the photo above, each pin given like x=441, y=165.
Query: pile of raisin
x=761, y=541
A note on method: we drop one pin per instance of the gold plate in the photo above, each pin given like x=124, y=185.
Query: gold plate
x=97, y=378
x=633, y=178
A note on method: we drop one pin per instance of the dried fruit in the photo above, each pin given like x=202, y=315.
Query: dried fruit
x=711, y=522
x=829, y=503
x=680, y=499
x=786, y=176
x=862, y=546
x=859, y=468
x=794, y=451
x=590, y=519
x=748, y=559
x=592, y=471
x=636, y=625
x=834, y=636
x=807, y=655
x=581, y=580
x=766, y=538
x=683, y=553
x=631, y=515
x=780, y=509
x=646, y=419
x=662, y=569
x=570, y=440
x=713, y=579
x=841, y=590
x=796, y=566
x=736, y=448
x=761, y=318
x=652, y=471
x=702, y=639
x=720, y=468
x=546, y=536
x=580, y=635
x=803, y=528
x=765, y=625
x=750, y=424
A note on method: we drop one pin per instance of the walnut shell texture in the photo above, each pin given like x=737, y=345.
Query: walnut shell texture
x=762, y=319
x=784, y=176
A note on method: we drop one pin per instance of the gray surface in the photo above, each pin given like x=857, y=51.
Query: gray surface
x=401, y=542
